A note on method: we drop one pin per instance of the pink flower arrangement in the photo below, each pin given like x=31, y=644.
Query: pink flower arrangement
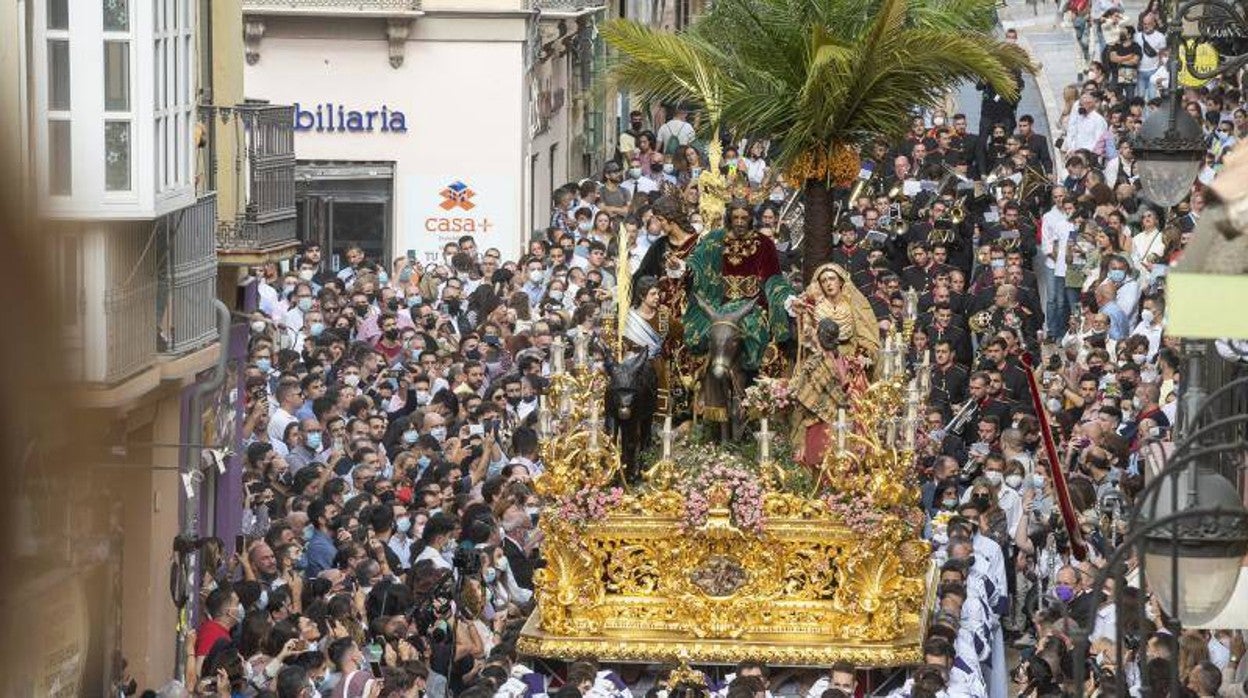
x=745, y=497
x=859, y=513
x=586, y=506
x=768, y=396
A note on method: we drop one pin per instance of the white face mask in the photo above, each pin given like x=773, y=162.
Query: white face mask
x=1014, y=481
x=351, y=379
x=257, y=326
x=1146, y=315
x=1139, y=359
x=535, y=276
x=697, y=227
x=994, y=477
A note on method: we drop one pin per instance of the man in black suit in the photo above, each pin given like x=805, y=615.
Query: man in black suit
x=1036, y=143
x=518, y=546
x=944, y=328
x=948, y=378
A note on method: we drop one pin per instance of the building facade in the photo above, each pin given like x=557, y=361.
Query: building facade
x=420, y=121
x=131, y=143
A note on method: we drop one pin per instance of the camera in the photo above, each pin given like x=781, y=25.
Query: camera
x=467, y=561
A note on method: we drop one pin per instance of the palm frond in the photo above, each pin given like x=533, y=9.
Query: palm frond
x=665, y=66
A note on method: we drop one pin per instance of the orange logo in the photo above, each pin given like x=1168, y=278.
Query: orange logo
x=457, y=195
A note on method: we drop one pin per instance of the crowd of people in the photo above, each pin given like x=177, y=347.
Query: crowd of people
x=391, y=526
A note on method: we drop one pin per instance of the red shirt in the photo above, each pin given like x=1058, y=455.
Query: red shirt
x=208, y=634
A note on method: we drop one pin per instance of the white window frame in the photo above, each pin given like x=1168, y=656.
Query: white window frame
x=129, y=115
x=173, y=55
x=43, y=105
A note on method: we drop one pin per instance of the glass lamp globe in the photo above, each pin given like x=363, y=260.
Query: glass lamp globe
x=1209, y=549
x=1169, y=155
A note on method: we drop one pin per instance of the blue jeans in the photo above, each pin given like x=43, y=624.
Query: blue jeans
x=1056, y=307
x=1144, y=85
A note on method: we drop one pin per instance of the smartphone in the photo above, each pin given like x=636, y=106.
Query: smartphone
x=240, y=544
x=411, y=256
x=373, y=652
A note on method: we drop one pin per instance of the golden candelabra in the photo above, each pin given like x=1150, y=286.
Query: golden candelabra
x=640, y=583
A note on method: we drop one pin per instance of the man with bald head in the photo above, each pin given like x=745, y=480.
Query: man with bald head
x=1107, y=305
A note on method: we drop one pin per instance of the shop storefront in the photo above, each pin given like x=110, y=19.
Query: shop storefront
x=409, y=157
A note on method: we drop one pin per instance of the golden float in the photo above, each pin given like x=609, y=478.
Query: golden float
x=732, y=563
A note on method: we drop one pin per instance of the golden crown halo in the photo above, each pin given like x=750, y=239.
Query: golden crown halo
x=686, y=675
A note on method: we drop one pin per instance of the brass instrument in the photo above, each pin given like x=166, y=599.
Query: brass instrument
x=957, y=213
x=963, y=415
x=980, y=322
x=1034, y=180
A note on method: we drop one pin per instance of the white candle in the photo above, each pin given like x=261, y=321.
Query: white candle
x=593, y=424
x=667, y=437
x=556, y=355
x=764, y=442
x=891, y=431
x=840, y=430
x=581, y=351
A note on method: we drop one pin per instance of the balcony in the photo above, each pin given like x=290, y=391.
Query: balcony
x=366, y=8
x=567, y=6
x=264, y=225
x=188, y=279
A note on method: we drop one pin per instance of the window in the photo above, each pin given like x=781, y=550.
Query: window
x=60, y=158
x=174, y=94
x=117, y=155
x=116, y=15
x=117, y=76
x=58, y=75
x=58, y=14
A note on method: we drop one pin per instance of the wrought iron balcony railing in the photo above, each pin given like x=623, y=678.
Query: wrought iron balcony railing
x=566, y=5
x=333, y=7
x=188, y=280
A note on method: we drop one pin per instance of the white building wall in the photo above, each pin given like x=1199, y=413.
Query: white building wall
x=460, y=91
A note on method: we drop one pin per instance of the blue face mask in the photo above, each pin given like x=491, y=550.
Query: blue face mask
x=305, y=304
x=413, y=301
x=308, y=531
x=383, y=278
x=316, y=328
x=265, y=365
x=490, y=574
x=1117, y=275
x=314, y=440
x=423, y=462
x=404, y=525
x=410, y=436
x=998, y=263
x=405, y=275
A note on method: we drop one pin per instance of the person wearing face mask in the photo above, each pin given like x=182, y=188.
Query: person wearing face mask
x=1150, y=326
x=224, y=612
x=1003, y=506
x=438, y=541
x=614, y=198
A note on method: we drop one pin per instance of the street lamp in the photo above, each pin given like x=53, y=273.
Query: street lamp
x=1169, y=151
x=1170, y=148
x=1194, y=563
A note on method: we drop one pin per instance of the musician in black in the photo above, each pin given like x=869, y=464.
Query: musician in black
x=948, y=378
x=985, y=404
x=1013, y=376
x=945, y=328
x=918, y=275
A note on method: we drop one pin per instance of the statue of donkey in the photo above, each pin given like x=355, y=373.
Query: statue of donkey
x=723, y=380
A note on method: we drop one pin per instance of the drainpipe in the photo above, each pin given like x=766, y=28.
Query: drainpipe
x=186, y=544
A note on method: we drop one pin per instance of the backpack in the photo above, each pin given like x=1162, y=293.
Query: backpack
x=672, y=145
x=1077, y=6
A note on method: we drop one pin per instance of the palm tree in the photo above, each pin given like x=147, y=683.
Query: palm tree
x=823, y=77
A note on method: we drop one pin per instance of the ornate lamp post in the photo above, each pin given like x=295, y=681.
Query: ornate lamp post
x=1189, y=532
x=1170, y=147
